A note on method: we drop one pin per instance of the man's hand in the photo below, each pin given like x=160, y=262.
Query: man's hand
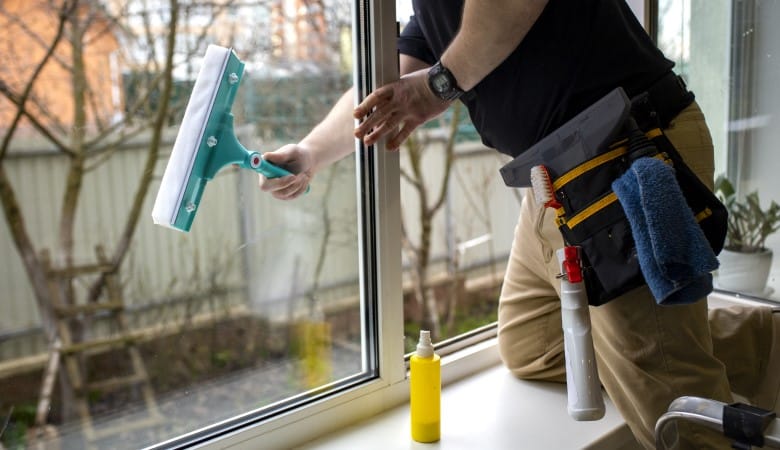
x=407, y=103
x=296, y=159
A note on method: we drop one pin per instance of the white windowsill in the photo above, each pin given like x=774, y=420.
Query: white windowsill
x=488, y=409
x=483, y=406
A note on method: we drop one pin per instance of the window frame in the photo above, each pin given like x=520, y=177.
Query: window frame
x=381, y=182
x=378, y=182
x=379, y=207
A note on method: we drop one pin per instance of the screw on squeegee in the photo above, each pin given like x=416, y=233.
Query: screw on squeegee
x=233, y=78
x=211, y=141
x=190, y=207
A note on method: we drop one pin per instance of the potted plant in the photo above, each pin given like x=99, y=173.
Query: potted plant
x=745, y=261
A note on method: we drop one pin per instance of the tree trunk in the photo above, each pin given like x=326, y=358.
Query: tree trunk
x=134, y=214
x=75, y=175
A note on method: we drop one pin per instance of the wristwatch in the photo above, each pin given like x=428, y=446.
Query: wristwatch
x=443, y=83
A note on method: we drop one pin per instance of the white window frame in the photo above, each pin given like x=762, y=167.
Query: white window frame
x=390, y=388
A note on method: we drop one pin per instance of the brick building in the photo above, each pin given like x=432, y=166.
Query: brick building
x=29, y=29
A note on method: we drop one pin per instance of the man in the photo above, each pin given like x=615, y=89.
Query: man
x=523, y=68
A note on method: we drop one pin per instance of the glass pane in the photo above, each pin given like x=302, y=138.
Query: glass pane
x=729, y=53
x=458, y=222
x=162, y=333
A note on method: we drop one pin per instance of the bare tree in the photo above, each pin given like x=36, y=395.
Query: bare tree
x=431, y=200
x=83, y=135
x=91, y=132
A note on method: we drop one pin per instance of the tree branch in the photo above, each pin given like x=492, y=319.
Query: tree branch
x=151, y=160
x=65, y=12
x=40, y=127
x=450, y=159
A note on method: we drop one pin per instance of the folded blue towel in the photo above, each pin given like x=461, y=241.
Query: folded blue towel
x=675, y=257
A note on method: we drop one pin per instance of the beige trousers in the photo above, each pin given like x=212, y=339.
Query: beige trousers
x=647, y=355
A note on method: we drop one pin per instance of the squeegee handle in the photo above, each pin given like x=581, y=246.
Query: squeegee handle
x=585, y=401
x=269, y=170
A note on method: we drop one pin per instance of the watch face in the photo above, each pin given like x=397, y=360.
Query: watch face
x=440, y=82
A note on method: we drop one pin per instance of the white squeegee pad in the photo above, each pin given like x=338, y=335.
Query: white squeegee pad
x=185, y=148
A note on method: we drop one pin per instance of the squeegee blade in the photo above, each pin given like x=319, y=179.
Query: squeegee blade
x=178, y=173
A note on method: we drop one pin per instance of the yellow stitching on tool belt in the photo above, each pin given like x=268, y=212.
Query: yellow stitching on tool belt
x=619, y=143
x=664, y=158
x=654, y=133
x=560, y=216
x=588, y=165
x=703, y=214
x=592, y=209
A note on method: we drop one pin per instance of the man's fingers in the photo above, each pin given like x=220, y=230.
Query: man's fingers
x=276, y=184
x=275, y=158
x=373, y=100
x=374, y=120
x=292, y=190
x=386, y=128
x=389, y=126
x=395, y=141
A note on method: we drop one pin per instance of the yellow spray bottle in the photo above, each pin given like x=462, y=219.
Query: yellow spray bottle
x=425, y=391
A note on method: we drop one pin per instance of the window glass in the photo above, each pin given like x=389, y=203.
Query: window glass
x=163, y=333
x=458, y=221
x=729, y=53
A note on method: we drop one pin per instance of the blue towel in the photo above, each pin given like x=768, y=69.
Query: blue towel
x=675, y=257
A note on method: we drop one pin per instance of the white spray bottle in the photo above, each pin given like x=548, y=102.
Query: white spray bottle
x=585, y=401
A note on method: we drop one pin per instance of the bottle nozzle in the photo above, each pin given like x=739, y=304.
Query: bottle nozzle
x=424, y=346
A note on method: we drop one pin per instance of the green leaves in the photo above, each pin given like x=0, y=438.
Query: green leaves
x=748, y=224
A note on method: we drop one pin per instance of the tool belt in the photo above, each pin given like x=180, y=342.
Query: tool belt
x=584, y=156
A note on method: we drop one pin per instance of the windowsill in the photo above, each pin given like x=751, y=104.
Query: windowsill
x=490, y=409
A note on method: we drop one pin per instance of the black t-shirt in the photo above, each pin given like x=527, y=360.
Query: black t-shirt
x=576, y=52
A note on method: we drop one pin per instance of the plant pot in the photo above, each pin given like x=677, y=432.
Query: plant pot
x=743, y=272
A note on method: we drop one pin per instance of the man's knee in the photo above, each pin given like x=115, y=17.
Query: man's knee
x=532, y=364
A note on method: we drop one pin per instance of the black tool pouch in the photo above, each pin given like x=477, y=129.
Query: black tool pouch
x=583, y=158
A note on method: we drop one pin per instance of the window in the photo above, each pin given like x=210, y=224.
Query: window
x=455, y=239
x=728, y=54
x=264, y=306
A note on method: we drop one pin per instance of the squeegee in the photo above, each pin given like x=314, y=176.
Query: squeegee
x=206, y=142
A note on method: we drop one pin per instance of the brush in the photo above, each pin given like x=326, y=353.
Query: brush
x=542, y=187
x=206, y=142
x=584, y=398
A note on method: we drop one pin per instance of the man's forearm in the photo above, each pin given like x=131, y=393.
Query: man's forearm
x=408, y=64
x=333, y=138
x=490, y=30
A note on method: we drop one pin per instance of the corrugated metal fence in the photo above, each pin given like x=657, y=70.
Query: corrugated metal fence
x=245, y=248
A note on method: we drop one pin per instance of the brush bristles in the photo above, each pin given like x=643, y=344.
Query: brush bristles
x=188, y=141
x=541, y=185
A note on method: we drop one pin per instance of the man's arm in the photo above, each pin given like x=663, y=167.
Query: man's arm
x=409, y=64
x=333, y=138
x=490, y=30
x=329, y=141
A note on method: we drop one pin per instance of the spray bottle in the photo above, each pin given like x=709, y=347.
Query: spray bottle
x=582, y=376
x=425, y=391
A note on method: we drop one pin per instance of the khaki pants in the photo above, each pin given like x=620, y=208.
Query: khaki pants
x=647, y=355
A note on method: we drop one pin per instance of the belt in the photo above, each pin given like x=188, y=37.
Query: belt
x=661, y=102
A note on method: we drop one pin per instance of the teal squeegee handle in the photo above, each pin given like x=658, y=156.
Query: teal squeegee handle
x=259, y=165
x=269, y=170
x=226, y=149
x=256, y=162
